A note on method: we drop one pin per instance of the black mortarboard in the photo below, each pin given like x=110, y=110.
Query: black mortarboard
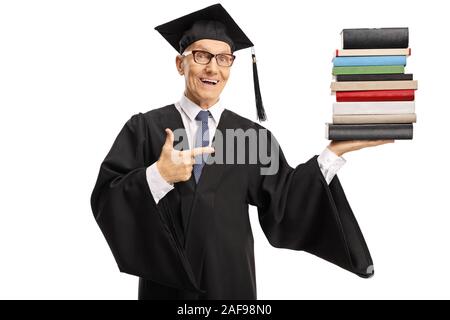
x=215, y=23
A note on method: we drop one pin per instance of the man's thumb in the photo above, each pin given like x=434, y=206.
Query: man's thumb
x=169, y=138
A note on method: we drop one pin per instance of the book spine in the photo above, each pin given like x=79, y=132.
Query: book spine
x=376, y=38
x=385, y=107
x=368, y=70
x=375, y=95
x=374, y=85
x=375, y=118
x=374, y=77
x=369, y=61
x=369, y=131
x=372, y=52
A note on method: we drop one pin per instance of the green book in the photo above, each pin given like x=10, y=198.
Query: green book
x=368, y=70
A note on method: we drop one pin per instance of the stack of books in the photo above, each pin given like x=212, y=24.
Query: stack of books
x=374, y=95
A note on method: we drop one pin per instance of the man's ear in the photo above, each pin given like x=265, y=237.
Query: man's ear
x=179, y=64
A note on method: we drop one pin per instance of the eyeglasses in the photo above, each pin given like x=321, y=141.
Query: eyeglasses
x=204, y=57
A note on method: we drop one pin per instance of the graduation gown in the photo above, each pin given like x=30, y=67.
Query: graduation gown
x=197, y=243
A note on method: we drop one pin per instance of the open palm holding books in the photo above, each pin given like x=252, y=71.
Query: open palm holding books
x=341, y=147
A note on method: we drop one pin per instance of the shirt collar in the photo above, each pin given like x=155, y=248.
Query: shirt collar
x=191, y=109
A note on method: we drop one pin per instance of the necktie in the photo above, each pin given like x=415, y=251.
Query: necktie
x=201, y=140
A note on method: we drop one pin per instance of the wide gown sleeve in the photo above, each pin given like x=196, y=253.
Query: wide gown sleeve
x=138, y=231
x=298, y=210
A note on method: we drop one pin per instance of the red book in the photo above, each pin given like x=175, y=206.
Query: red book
x=375, y=95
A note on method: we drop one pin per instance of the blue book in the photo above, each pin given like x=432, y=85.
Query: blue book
x=369, y=61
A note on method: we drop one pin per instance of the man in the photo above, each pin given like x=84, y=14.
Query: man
x=181, y=223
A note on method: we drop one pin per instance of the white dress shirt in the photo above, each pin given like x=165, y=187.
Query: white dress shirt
x=329, y=162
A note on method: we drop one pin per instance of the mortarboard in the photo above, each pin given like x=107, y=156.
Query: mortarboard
x=215, y=23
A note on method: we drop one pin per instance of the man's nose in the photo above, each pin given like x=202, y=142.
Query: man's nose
x=212, y=66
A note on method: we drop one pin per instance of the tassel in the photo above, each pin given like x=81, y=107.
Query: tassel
x=261, y=113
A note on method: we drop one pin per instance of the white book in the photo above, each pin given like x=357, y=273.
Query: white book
x=372, y=52
x=382, y=107
x=374, y=118
x=374, y=85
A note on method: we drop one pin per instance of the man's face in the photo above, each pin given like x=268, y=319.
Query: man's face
x=198, y=88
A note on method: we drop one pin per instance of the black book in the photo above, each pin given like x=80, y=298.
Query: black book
x=369, y=131
x=374, y=77
x=375, y=38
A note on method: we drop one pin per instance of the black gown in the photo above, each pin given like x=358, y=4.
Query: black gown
x=197, y=243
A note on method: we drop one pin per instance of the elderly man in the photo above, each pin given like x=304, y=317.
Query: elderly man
x=180, y=221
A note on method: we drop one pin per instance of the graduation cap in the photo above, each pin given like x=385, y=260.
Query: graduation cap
x=214, y=23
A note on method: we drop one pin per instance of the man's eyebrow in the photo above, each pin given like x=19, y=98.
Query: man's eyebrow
x=204, y=49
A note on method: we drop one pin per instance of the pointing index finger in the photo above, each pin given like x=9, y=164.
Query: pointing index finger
x=201, y=150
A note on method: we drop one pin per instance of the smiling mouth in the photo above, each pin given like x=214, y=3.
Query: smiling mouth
x=210, y=82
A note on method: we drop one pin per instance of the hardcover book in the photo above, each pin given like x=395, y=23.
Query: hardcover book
x=372, y=52
x=399, y=131
x=375, y=95
x=368, y=70
x=369, y=61
x=384, y=107
x=375, y=38
x=374, y=85
x=374, y=118
x=374, y=77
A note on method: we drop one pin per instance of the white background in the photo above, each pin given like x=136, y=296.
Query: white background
x=73, y=72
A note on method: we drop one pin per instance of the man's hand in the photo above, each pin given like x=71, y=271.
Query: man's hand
x=175, y=166
x=341, y=147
